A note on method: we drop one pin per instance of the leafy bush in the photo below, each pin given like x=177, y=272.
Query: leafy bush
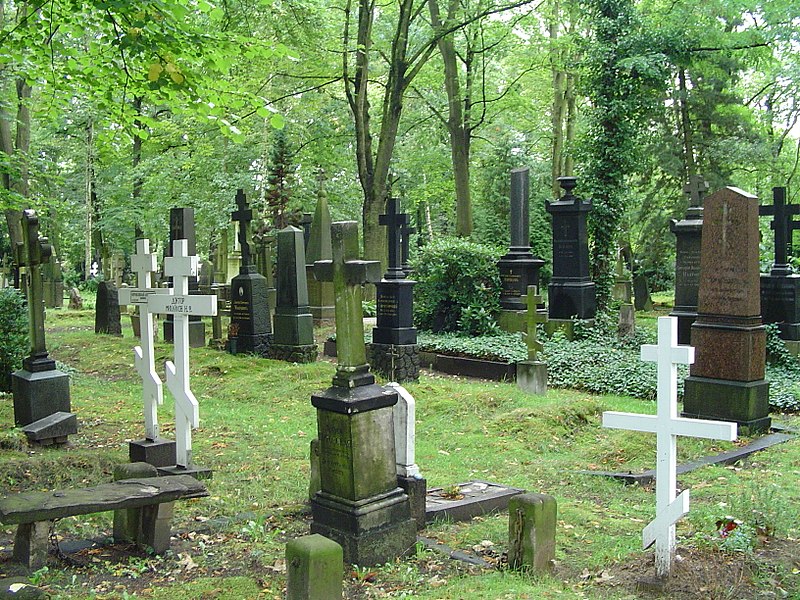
x=458, y=287
x=13, y=334
x=500, y=347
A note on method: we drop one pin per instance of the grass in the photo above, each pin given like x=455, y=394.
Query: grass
x=256, y=425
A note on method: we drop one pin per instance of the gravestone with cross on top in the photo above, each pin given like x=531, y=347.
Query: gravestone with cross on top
x=181, y=305
x=666, y=424
x=152, y=449
x=41, y=392
x=780, y=289
x=532, y=373
x=360, y=505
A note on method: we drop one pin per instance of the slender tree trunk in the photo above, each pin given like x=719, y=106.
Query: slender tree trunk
x=136, y=159
x=89, y=199
x=559, y=109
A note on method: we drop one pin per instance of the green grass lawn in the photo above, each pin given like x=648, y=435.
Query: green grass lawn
x=256, y=422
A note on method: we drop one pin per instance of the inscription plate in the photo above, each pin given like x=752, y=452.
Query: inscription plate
x=182, y=305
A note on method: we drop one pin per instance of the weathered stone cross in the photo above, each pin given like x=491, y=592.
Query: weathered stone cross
x=181, y=266
x=667, y=426
x=32, y=253
x=696, y=189
x=243, y=216
x=534, y=299
x=143, y=263
x=783, y=224
x=394, y=221
x=348, y=274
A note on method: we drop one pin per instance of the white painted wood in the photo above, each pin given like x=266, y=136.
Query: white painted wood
x=180, y=266
x=667, y=426
x=144, y=264
x=404, y=414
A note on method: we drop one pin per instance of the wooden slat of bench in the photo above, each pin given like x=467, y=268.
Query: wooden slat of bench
x=30, y=507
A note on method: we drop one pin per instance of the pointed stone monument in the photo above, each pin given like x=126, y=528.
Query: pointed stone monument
x=294, y=326
x=727, y=379
x=153, y=449
x=360, y=505
x=251, y=329
x=41, y=392
x=667, y=426
x=320, y=293
x=181, y=267
x=687, y=257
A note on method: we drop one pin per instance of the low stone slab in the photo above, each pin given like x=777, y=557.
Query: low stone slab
x=723, y=458
x=471, y=499
x=52, y=429
x=469, y=367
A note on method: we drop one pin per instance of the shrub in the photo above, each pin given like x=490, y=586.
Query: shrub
x=458, y=287
x=13, y=334
x=501, y=347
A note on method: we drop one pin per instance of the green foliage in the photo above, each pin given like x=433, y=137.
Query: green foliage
x=500, y=347
x=458, y=287
x=783, y=373
x=13, y=334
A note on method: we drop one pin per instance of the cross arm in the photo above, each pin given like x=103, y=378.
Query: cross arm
x=677, y=509
x=356, y=271
x=712, y=430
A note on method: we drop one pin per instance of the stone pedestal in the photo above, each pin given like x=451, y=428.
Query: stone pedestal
x=314, y=569
x=687, y=271
x=39, y=394
x=158, y=453
x=532, y=522
x=512, y=321
x=746, y=402
x=532, y=376
x=395, y=362
x=518, y=270
x=571, y=300
x=564, y=326
x=780, y=303
x=360, y=505
x=197, y=332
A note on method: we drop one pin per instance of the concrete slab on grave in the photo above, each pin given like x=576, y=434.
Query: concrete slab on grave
x=723, y=458
x=471, y=499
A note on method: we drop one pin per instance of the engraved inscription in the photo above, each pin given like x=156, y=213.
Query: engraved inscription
x=336, y=455
x=386, y=306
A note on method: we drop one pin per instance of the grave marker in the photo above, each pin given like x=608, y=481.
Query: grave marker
x=532, y=373
x=666, y=424
x=320, y=293
x=181, y=266
x=152, y=449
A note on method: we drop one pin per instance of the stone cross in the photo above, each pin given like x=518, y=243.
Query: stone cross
x=144, y=264
x=181, y=266
x=783, y=225
x=243, y=216
x=348, y=274
x=394, y=221
x=534, y=299
x=667, y=426
x=696, y=188
x=32, y=253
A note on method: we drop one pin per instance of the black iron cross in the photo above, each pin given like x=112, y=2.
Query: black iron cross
x=243, y=216
x=394, y=220
x=696, y=189
x=783, y=224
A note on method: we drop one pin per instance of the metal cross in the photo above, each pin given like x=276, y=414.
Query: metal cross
x=667, y=426
x=783, y=224
x=243, y=216
x=394, y=220
x=696, y=188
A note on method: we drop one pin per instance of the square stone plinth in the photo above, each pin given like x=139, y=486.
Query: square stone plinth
x=532, y=376
x=728, y=352
x=158, y=452
x=39, y=394
x=746, y=403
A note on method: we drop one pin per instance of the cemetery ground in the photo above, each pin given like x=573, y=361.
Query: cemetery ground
x=256, y=425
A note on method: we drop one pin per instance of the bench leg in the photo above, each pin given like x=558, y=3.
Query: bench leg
x=156, y=523
x=30, y=544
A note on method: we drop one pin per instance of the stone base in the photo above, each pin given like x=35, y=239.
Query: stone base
x=322, y=313
x=532, y=376
x=39, y=394
x=416, y=488
x=314, y=569
x=293, y=354
x=532, y=522
x=728, y=352
x=197, y=333
x=193, y=470
x=565, y=326
x=52, y=429
x=372, y=531
x=518, y=269
x=745, y=403
x=258, y=344
x=158, y=452
x=396, y=363
x=572, y=300
x=512, y=321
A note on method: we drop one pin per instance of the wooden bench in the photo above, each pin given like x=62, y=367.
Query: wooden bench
x=143, y=506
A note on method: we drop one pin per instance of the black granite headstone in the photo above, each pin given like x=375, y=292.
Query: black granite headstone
x=106, y=312
x=571, y=291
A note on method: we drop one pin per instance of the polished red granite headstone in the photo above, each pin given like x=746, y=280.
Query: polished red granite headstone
x=727, y=377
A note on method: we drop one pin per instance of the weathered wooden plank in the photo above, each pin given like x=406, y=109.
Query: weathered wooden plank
x=29, y=507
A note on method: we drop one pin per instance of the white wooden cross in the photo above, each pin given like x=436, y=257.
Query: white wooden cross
x=181, y=266
x=667, y=426
x=143, y=264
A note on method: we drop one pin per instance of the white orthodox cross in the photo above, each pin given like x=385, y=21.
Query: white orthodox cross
x=143, y=264
x=181, y=266
x=667, y=426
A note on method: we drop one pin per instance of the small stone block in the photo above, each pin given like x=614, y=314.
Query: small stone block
x=39, y=394
x=159, y=452
x=532, y=532
x=416, y=488
x=127, y=522
x=52, y=428
x=30, y=544
x=314, y=566
x=155, y=527
x=532, y=376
